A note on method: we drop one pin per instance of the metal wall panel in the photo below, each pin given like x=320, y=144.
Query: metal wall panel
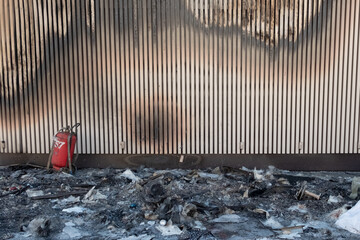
x=181, y=76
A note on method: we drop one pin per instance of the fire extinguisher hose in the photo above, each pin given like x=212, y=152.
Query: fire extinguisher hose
x=69, y=147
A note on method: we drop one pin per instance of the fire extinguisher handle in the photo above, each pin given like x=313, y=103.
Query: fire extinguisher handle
x=75, y=126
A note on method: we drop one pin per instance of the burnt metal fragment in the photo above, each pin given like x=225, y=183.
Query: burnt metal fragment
x=154, y=192
x=302, y=193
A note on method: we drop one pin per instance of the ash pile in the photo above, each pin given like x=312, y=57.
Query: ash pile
x=144, y=203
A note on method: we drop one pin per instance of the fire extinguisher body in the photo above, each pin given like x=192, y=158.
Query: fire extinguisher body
x=61, y=150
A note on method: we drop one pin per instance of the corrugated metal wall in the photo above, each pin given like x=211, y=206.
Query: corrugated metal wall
x=181, y=76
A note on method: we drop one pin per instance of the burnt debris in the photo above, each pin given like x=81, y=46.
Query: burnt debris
x=220, y=203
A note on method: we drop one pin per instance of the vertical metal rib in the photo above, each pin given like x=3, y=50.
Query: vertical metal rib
x=2, y=80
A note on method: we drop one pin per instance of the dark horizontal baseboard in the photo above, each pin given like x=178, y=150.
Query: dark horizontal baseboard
x=300, y=162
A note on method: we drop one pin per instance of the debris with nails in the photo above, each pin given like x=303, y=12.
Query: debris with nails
x=302, y=193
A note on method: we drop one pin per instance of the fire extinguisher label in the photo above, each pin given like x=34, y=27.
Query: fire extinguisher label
x=58, y=144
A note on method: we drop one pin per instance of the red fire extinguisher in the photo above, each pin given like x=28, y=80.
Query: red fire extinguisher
x=62, y=152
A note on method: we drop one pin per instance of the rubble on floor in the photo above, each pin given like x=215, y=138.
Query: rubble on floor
x=143, y=203
x=350, y=220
